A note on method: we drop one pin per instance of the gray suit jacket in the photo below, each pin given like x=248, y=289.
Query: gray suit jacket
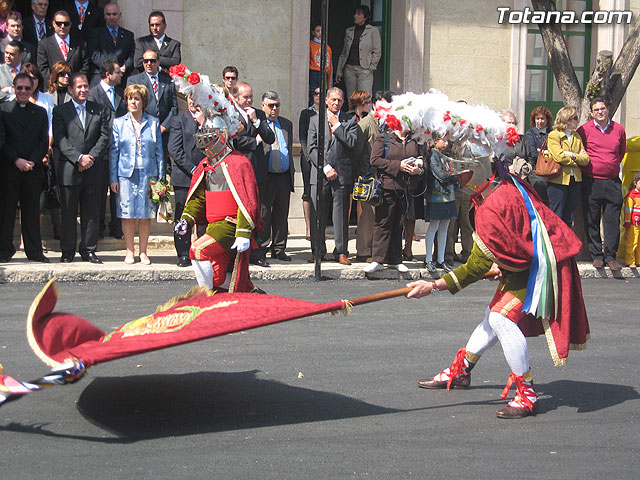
x=6, y=80
x=337, y=147
x=30, y=52
x=70, y=140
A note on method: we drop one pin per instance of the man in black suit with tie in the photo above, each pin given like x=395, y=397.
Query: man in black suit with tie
x=163, y=100
x=108, y=94
x=81, y=137
x=186, y=157
x=62, y=47
x=279, y=185
x=167, y=48
x=341, y=135
x=249, y=143
x=14, y=32
x=24, y=135
x=111, y=42
x=37, y=26
x=85, y=17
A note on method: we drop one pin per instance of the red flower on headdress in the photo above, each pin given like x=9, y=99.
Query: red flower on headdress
x=462, y=121
x=512, y=136
x=177, y=70
x=193, y=78
x=479, y=128
x=427, y=132
x=393, y=123
x=446, y=116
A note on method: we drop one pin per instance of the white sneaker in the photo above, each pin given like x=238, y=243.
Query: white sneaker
x=401, y=267
x=373, y=267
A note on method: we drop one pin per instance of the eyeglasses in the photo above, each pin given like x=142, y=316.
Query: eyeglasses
x=316, y=93
x=272, y=105
x=149, y=60
x=604, y=109
x=230, y=78
x=21, y=89
x=63, y=24
x=63, y=74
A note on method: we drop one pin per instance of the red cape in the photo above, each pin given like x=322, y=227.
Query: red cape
x=503, y=225
x=242, y=182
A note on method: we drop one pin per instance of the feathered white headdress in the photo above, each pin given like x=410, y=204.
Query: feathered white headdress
x=210, y=98
x=433, y=115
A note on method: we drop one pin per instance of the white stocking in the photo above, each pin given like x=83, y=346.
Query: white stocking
x=483, y=337
x=430, y=237
x=204, y=272
x=442, y=239
x=513, y=341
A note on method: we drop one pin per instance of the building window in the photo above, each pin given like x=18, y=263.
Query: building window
x=540, y=84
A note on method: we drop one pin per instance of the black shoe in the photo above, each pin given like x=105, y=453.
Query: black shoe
x=281, y=256
x=5, y=259
x=184, y=262
x=66, y=259
x=258, y=290
x=444, y=266
x=90, y=257
x=261, y=262
x=41, y=258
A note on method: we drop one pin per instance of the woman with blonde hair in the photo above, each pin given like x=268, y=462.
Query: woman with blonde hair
x=136, y=158
x=565, y=147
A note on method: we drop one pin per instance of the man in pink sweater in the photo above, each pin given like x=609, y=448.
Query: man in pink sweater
x=605, y=142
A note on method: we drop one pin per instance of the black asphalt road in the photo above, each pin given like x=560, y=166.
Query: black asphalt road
x=325, y=397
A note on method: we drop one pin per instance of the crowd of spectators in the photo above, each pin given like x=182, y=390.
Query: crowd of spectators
x=100, y=137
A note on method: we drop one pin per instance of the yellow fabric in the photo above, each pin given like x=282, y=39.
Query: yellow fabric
x=630, y=165
x=632, y=245
x=557, y=144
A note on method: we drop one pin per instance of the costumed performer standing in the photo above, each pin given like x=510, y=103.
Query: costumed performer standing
x=539, y=289
x=223, y=192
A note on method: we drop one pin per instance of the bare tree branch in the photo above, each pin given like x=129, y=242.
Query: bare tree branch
x=625, y=66
x=558, y=54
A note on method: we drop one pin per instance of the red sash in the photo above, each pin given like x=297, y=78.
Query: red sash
x=220, y=205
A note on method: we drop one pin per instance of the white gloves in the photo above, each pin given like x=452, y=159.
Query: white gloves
x=241, y=244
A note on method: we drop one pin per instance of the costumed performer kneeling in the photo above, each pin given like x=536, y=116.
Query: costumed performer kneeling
x=223, y=192
x=539, y=289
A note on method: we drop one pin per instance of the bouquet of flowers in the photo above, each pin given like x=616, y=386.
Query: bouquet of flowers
x=160, y=195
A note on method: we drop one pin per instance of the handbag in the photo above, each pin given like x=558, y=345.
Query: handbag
x=51, y=197
x=546, y=166
x=368, y=188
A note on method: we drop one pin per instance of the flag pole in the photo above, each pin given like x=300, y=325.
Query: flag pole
x=322, y=120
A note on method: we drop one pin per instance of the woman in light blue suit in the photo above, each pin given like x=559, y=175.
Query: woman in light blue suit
x=135, y=159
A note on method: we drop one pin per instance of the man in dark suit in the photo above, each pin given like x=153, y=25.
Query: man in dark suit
x=24, y=133
x=163, y=100
x=85, y=17
x=249, y=143
x=168, y=49
x=62, y=47
x=186, y=157
x=37, y=26
x=279, y=185
x=111, y=42
x=14, y=32
x=341, y=135
x=81, y=137
x=108, y=94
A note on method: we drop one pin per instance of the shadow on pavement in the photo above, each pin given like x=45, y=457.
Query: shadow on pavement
x=585, y=396
x=156, y=406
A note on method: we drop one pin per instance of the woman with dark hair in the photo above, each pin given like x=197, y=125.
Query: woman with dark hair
x=59, y=83
x=135, y=158
x=540, y=121
x=314, y=61
x=360, y=54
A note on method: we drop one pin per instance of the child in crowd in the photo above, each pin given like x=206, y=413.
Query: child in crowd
x=632, y=223
x=441, y=205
